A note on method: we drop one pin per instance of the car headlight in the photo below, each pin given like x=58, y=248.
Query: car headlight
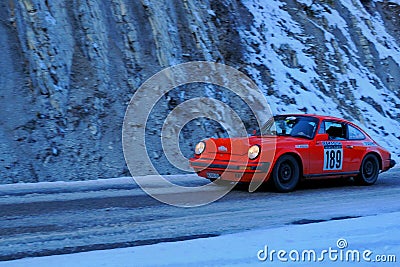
x=200, y=147
x=254, y=151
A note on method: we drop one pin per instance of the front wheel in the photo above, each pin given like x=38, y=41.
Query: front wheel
x=286, y=174
x=369, y=171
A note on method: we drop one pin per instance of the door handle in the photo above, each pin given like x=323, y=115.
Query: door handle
x=350, y=146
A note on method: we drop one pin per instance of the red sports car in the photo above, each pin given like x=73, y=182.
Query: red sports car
x=293, y=147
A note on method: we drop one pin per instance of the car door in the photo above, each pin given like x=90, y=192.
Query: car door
x=355, y=148
x=332, y=155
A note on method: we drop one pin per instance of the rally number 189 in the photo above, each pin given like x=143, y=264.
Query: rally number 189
x=333, y=159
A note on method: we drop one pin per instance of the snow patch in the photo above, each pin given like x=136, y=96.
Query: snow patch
x=380, y=234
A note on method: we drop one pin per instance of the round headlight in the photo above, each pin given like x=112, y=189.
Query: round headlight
x=254, y=151
x=200, y=147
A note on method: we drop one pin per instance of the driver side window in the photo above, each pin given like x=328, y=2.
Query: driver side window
x=335, y=130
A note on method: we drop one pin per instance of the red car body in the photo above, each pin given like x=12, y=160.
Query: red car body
x=294, y=147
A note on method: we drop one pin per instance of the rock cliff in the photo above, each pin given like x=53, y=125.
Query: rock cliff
x=69, y=68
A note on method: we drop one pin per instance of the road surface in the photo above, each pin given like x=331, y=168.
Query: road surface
x=61, y=218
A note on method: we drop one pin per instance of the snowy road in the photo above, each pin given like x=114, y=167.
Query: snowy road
x=57, y=218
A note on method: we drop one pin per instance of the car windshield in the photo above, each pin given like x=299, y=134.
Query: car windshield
x=295, y=126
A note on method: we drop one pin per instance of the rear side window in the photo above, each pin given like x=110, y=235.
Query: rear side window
x=355, y=134
x=335, y=130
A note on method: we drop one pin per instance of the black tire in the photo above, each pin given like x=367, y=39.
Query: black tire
x=286, y=174
x=369, y=170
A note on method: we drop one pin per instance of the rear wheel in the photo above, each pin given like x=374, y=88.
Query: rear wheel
x=369, y=170
x=286, y=174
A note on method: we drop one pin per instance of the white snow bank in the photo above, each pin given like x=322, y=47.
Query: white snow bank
x=59, y=185
x=370, y=236
x=275, y=30
x=112, y=187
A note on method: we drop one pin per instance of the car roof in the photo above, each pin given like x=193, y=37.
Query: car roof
x=323, y=117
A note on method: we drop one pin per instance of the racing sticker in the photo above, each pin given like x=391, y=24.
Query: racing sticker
x=333, y=155
x=369, y=144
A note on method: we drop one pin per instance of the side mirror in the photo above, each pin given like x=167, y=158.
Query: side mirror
x=322, y=137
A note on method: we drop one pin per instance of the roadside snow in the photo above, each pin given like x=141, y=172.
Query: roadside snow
x=378, y=234
x=123, y=186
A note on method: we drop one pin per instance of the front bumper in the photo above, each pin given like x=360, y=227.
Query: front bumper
x=230, y=171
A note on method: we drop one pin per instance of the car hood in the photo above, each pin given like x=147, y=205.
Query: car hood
x=238, y=145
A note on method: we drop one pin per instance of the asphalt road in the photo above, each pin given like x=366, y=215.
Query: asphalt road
x=37, y=221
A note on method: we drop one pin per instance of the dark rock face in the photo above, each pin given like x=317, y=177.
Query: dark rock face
x=69, y=68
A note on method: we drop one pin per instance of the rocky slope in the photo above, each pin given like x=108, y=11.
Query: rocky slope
x=69, y=69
